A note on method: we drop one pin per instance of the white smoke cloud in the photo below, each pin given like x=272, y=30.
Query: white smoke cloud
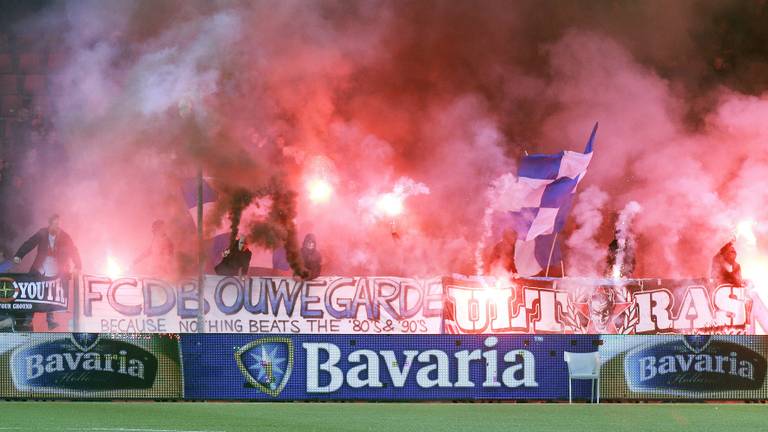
x=586, y=255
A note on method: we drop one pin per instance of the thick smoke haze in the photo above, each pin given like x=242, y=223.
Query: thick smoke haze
x=587, y=256
x=442, y=95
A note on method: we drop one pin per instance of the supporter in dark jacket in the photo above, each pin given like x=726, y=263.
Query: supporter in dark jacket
x=313, y=261
x=236, y=260
x=725, y=269
x=56, y=253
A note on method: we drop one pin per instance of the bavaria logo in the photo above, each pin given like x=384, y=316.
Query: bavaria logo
x=83, y=361
x=328, y=369
x=267, y=363
x=697, y=363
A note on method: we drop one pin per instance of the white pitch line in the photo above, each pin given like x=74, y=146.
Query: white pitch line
x=118, y=429
x=140, y=430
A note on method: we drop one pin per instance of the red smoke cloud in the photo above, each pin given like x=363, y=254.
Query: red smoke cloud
x=447, y=94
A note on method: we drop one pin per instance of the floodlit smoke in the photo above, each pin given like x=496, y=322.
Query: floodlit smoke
x=586, y=255
x=266, y=96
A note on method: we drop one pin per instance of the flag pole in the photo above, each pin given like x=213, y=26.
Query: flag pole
x=200, y=253
x=551, y=252
x=75, y=290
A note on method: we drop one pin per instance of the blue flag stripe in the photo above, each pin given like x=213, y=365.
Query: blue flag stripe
x=588, y=148
x=558, y=192
x=189, y=192
x=543, y=248
x=544, y=167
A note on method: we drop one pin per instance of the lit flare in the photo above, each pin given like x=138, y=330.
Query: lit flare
x=745, y=232
x=390, y=204
x=114, y=270
x=320, y=190
x=754, y=265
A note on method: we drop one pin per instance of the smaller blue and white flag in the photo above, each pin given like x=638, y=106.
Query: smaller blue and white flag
x=5, y=266
x=218, y=237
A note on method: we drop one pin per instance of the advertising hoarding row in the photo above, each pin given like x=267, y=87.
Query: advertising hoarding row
x=269, y=367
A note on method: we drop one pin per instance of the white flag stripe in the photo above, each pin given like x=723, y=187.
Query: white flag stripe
x=574, y=164
x=525, y=258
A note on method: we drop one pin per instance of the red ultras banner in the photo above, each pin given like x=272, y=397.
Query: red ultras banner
x=596, y=306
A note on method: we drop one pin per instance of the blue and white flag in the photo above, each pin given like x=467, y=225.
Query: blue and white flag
x=219, y=237
x=549, y=186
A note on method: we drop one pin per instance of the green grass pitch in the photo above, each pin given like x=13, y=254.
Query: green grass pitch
x=398, y=417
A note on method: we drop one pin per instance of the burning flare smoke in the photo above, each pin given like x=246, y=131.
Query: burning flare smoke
x=586, y=256
x=390, y=90
x=279, y=229
x=239, y=199
x=624, y=237
x=276, y=230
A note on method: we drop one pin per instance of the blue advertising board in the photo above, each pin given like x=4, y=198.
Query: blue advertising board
x=383, y=367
